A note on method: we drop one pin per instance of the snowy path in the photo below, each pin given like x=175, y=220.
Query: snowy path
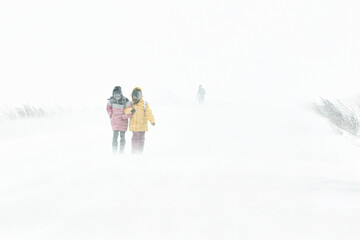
x=203, y=175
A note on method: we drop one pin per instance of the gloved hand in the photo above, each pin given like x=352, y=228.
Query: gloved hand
x=133, y=110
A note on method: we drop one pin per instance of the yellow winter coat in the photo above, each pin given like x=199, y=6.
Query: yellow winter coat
x=139, y=120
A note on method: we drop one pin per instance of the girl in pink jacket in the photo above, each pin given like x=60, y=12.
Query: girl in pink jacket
x=119, y=120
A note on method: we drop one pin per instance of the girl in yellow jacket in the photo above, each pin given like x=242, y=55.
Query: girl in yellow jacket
x=141, y=114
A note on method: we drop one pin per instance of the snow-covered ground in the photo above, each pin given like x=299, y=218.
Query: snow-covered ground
x=208, y=172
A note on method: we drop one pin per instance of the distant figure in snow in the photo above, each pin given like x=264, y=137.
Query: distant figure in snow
x=200, y=97
x=119, y=120
x=141, y=114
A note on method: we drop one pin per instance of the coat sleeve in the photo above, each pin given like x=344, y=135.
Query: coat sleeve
x=148, y=114
x=109, y=109
x=127, y=113
x=128, y=108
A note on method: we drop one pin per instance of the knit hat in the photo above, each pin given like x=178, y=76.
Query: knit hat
x=117, y=89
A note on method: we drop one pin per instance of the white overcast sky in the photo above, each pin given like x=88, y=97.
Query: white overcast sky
x=76, y=51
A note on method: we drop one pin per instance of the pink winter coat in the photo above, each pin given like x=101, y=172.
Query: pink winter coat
x=115, y=109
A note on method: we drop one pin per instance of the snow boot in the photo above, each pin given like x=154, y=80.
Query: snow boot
x=114, y=149
x=122, y=146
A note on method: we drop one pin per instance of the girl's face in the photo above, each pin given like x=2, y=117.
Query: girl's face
x=117, y=96
x=136, y=96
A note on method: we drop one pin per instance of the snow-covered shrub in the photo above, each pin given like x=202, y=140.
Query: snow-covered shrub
x=343, y=118
x=28, y=111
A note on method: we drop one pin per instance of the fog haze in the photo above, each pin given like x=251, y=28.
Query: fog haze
x=252, y=162
x=68, y=51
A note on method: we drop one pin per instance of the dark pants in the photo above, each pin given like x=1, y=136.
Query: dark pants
x=115, y=141
x=201, y=98
x=138, y=142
